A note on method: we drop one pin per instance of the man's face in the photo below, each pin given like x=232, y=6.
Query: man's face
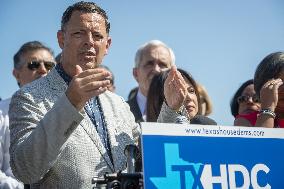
x=27, y=73
x=84, y=41
x=154, y=60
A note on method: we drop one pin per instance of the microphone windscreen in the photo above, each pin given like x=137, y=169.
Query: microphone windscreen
x=202, y=120
x=138, y=163
x=131, y=152
x=182, y=120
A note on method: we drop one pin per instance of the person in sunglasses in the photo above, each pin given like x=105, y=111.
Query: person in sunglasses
x=268, y=81
x=245, y=105
x=32, y=61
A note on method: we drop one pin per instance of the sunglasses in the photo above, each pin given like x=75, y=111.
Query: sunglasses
x=245, y=98
x=34, y=65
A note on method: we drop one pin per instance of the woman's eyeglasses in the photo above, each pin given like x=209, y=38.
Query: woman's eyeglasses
x=245, y=98
x=34, y=65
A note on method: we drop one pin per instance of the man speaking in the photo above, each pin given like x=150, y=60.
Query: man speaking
x=66, y=128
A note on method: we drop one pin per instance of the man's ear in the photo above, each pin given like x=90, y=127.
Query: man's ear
x=17, y=75
x=135, y=74
x=60, y=38
x=108, y=45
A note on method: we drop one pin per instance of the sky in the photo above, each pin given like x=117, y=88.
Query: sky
x=219, y=42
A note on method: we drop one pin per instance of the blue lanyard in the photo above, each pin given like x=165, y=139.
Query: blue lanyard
x=95, y=113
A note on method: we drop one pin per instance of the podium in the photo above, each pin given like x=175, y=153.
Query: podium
x=181, y=156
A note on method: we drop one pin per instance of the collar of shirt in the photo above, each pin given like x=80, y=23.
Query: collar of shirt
x=62, y=73
x=141, y=101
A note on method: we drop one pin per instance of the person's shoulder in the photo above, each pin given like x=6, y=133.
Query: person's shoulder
x=113, y=96
x=116, y=105
x=35, y=85
x=35, y=92
x=40, y=87
x=113, y=102
x=132, y=101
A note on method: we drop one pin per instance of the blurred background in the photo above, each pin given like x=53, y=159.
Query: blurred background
x=219, y=42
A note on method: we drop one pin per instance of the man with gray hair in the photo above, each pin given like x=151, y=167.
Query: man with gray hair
x=151, y=58
x=32, y=61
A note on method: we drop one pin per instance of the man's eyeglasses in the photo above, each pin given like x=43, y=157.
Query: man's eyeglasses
x=245, y=98
x=34, y=65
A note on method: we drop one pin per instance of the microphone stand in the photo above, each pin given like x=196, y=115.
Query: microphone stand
x=120, y=180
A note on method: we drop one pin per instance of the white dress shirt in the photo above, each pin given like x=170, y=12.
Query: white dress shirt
x=7, y=180
x=141, y=100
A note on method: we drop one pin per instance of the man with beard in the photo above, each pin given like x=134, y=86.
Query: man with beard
x=151, y=58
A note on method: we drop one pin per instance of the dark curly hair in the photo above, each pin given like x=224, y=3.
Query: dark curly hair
x=85, y=7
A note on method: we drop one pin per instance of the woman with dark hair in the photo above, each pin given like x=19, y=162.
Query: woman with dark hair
x=155, y=97
x=245, y=105
x=268, y=82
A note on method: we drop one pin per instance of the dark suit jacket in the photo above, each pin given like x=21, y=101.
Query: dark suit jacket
x=134, y=108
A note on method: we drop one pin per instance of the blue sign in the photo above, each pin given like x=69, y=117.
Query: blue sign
x=212, y=157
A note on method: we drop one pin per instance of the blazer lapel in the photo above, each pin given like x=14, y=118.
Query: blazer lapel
x=90, y=129
x=135, y=109
x=113, y=127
